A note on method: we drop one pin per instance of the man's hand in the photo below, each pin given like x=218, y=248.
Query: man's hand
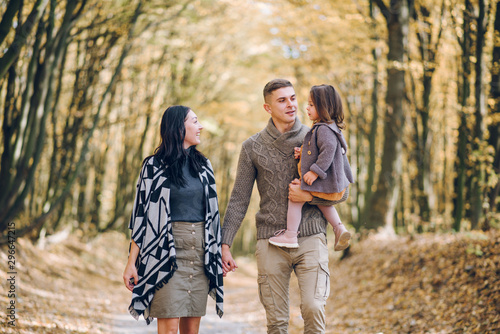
x=228, y=263
x=310, y=177
x=295, y=194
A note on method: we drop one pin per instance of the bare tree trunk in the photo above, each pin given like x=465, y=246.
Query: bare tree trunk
x=8, y=17
x=478, y=179
x=372, y=135
x=22, y=35
x=30, y=139
x=39, y=221
x=99, y=166
x=384, y=199
x=428, y=47
x=82, y=200
x=493, y=128
x=463, y=130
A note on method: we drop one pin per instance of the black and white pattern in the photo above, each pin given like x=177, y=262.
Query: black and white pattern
x=152, y=231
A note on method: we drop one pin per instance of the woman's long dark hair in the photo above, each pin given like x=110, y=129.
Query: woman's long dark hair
x=171, y=151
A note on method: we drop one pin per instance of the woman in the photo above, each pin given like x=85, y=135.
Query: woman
x=174, y=258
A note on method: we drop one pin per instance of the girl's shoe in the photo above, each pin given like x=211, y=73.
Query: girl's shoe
x=342, y=237
x=285, y=238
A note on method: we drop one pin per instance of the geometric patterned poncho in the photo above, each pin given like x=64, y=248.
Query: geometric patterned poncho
x=152, y=231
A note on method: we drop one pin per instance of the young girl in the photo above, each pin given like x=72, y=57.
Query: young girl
x=323, y=166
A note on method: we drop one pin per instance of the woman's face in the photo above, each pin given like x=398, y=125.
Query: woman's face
x=193, y=130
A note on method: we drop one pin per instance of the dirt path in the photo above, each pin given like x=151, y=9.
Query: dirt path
x=423, y=284
x=243, y=312
x=75, y=287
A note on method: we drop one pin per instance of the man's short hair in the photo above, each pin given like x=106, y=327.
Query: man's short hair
x=275, y=84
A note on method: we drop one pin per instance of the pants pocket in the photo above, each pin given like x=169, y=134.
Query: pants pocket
x=265, y=293
x=323, y=282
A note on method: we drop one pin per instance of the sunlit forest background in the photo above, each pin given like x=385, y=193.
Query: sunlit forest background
x=83, y=84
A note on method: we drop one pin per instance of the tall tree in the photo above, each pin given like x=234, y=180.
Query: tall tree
x=25, y=129
x=372, y=142
x=493, y=128
x=429, y=38
x=40, y=100
x=478, y=146
x=464, y=90
x=384, y=199
x=23, y=31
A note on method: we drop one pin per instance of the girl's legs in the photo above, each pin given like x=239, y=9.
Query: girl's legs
x=188, y=325
x=294, y=215
x=342, y=235
x=288, y=238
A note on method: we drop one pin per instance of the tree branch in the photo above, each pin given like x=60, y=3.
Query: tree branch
x=7, y=18
x=384, y=9
x=21, y=38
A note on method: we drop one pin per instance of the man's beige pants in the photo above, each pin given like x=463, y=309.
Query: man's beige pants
x=310, y=263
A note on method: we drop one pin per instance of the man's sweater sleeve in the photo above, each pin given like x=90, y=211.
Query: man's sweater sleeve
x=240, y=197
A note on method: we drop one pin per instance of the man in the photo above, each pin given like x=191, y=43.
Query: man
x=267, y=157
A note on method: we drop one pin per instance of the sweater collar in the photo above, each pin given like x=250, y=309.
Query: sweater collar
x=281, y=140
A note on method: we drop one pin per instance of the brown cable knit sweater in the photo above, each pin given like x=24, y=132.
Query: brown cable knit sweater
x=267, y=157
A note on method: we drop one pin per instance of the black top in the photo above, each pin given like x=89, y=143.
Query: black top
x=187, y=203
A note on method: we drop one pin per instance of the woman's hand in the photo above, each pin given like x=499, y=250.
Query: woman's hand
x=130, y=269
x=228, y=263
x=129, y=273
x=295, y=194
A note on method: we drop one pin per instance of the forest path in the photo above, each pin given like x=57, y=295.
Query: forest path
x=433, y=283
x=70, y=286
x=243, y=313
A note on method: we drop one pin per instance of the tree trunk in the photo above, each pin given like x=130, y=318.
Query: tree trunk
x=478, y=179
x=493, y=128
x=463, y=130
x=385, y=197
x=372, y=135
x=59, y=41
x=7, y=18
x=22, y=34
x=428, y=47
x=30, y=137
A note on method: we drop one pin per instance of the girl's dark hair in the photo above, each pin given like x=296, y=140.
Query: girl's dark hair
x=328, y=104
x=171, y=152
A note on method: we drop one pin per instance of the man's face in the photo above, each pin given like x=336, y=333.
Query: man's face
x=282, y=105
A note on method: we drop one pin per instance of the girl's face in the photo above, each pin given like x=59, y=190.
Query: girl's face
x=193, y=130
x=311, y=110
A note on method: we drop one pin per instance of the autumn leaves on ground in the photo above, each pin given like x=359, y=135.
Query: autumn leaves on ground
x=425, y=284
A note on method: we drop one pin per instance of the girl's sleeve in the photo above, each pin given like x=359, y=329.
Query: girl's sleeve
x=327, y=145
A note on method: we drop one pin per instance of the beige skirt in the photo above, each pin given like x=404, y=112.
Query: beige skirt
x=185, y=294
